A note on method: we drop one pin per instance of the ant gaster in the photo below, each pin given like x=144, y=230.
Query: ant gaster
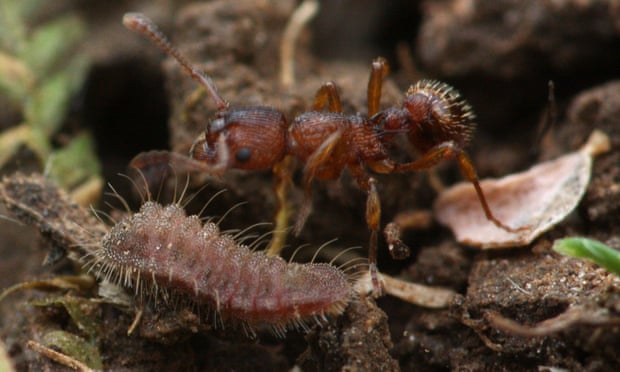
x=438, y=123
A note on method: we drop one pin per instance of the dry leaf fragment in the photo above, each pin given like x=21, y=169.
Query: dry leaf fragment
x=539, y=197
x=413, y=293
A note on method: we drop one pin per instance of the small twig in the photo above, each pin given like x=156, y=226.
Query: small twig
x=300, y=17
x=479, y=328
x=416, y=294
x=518, y=287
x=136, y=321
x=58, y=357
x=419, y=219
x=572, y=316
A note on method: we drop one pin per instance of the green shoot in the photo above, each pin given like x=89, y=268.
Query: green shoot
x=589, y=249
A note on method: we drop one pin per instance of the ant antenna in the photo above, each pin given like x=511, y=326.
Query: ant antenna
x=141, y=24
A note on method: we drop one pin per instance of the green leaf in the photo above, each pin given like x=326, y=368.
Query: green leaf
x=48, y=104
x=75, y=347
x=46, y=108
x=51, y=44
x=12, y=29
x=74, y=163
x=16, y=79
x=82, y=312
x=589, y=249
x=76, y=69
x=53, y=284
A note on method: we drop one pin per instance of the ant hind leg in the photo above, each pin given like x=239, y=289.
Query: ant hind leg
x=449, y=150
x=469, y=173
x=373, y=219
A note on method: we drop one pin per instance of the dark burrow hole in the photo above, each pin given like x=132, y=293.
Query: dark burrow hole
x=126, y=108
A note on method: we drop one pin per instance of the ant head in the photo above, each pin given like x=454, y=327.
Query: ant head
x=248, y=137
x=437, y=109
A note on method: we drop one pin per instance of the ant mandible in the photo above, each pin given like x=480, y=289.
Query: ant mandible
x=438, y=123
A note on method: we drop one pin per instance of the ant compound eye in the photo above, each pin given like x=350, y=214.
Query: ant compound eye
x=244, y=154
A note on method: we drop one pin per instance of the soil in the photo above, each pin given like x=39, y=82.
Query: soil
x=518, y=309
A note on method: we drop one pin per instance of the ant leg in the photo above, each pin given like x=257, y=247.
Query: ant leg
x=416, y=219
x=445, y=150
x=282, y=172
x=316, y=160
x=393, y=232
x=378, y=71
x=327, y=95
x=154, y=165
x=449, y=150
x=468, y=171
x=373, y=219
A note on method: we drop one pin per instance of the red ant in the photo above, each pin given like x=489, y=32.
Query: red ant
x=436, y=120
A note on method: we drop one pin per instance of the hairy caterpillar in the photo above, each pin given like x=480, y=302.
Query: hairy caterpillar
x=163, y=252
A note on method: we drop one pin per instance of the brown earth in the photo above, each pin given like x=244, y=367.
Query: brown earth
x=499, y=54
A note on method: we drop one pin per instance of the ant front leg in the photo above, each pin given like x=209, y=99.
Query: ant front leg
x=449, y=150
x=313, y=163
x=282, y=173
x=154, y=165
x=326, y=97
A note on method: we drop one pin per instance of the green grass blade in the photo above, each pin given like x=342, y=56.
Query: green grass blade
x=589, y=249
